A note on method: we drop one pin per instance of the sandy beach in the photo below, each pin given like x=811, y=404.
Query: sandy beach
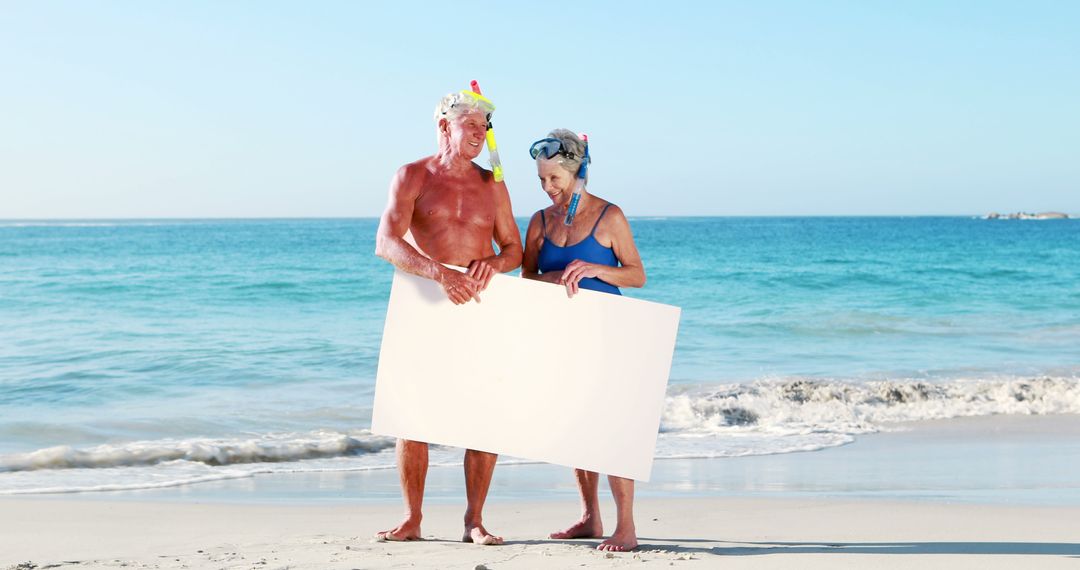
x=688, y=533
x=994, y=492
x=830, y=254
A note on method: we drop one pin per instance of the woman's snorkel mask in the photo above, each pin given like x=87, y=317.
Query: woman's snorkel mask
x=496, y=164
x=549, y=148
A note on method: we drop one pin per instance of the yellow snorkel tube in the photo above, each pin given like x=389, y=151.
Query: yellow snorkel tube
x=496, y=164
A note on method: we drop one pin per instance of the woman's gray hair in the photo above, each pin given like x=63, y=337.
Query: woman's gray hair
x=573, y=146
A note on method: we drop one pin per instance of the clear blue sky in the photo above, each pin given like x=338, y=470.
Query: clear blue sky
x=255, y=109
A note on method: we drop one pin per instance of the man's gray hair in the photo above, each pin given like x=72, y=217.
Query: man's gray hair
x=457, y=104
x=573, y=145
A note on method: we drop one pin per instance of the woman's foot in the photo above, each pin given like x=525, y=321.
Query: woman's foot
x=479, y=535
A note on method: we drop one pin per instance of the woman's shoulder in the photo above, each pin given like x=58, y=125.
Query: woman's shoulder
x=537, y=221
x=540, y=214
x=609, y=212
x=612, y=225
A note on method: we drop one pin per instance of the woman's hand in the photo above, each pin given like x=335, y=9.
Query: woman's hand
x=577, y=270
x=554, y=277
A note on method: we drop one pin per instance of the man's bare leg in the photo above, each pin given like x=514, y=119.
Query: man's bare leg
x=590, y=525
x=479, y=466
x=625, y=536
x=412, y=460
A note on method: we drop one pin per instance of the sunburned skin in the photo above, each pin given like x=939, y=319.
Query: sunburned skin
x=446, y=209
x=453, y=219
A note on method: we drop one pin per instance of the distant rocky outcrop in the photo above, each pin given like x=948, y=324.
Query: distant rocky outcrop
x=1027, y=216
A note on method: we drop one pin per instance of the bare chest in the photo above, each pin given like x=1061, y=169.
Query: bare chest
x=454, y=204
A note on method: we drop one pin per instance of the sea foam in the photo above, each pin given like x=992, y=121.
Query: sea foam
x=723, y=420
x=802, y=414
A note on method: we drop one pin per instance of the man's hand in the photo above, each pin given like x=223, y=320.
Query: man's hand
x=459, y=287
x=482, y=271
x=575, y=271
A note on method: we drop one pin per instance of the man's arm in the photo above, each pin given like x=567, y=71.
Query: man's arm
x=390, y=241
x=507, y=237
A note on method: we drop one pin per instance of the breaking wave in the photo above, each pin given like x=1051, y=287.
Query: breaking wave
x=728, y=420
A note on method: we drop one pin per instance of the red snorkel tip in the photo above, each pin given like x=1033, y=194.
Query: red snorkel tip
x=584, y=137
x=475, y=87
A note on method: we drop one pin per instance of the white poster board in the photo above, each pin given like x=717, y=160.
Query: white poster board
x=527, y=372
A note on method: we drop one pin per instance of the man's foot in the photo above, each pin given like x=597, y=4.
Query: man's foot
x=407, y=530
x=620, y=542
x=587, y=527
x=479, y=535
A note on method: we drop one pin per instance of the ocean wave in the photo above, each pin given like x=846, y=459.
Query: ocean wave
x=765, y=417
x=178, y=474
x=275, y=448
x=132, y=484
x=792, y=415
x=797, y=406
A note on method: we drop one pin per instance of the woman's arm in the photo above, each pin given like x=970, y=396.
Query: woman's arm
x=630, y=273
x=530, y=267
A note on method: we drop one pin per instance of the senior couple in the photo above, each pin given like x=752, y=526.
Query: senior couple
x=445, y=208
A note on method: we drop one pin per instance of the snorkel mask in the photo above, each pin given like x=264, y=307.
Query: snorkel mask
x=551, y=147
x=496, y=164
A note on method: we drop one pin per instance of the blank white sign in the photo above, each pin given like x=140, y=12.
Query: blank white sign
x=527, y=372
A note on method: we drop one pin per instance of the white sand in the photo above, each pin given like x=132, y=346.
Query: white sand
x=687, y=533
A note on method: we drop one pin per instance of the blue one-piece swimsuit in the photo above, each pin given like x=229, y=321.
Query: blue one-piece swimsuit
x=555, y=258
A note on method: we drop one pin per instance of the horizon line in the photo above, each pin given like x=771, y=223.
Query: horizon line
x=637, y=216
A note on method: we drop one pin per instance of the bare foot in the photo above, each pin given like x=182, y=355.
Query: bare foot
x=479, y=535
x=620, y=542
x=407, y=530
x=587, y=527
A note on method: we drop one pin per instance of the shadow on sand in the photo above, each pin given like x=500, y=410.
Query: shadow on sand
x=680, y=546
x=1027, y=548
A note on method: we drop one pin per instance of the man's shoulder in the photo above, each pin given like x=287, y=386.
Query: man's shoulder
x=485, y=174
x=418, y=167
x=486, y=178
x=412, y=176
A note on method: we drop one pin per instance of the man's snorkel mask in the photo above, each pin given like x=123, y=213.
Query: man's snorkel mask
x=485, y=104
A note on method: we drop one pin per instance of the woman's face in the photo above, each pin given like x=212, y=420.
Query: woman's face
x=556, y=181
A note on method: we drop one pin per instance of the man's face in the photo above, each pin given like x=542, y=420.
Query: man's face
x=466, y=133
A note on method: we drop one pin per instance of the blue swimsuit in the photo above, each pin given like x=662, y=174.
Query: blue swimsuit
x=555, y=258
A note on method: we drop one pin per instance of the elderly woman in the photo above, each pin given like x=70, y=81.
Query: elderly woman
x=595, y=252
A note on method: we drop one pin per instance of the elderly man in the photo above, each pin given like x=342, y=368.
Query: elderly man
x=446, y=209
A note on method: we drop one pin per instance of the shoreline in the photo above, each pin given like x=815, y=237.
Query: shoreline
x=972, y=492
x=1027, y=461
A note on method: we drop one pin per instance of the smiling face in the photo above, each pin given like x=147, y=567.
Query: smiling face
x=556, y=181
x=465, y=133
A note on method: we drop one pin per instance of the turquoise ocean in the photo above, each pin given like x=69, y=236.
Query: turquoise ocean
x=143, y=354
